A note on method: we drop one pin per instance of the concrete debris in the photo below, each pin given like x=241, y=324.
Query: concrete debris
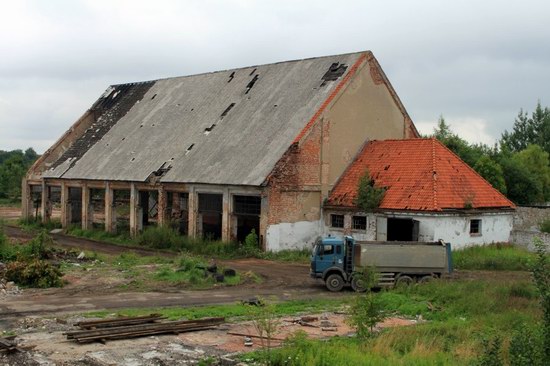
x=8, y=288
x=81, y=255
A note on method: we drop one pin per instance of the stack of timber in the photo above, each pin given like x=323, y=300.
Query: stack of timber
x=131, y=327
x=8, y=345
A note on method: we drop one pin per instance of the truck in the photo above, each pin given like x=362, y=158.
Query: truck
x=342, y=261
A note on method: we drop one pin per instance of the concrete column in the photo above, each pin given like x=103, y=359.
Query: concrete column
x=226, y=215
x=110, y=213
x=193, y=210
x=161, y=207
x=26, y=200
x=134, y=210
x=45, y=209
x=86, y=214
x=264, y=220
x=65, y=209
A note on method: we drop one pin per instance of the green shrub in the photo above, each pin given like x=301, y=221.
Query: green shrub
x=526, y=347
x=368, y=196
x=34, y=273
x=505, y=257
x=160, y=237
x=7, y=251
x=38, y=248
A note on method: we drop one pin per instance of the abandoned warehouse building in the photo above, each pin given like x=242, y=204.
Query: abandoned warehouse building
x=216, y=155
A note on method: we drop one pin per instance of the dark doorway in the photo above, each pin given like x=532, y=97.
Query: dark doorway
x=402, y=229
x=247, y=210
x=75, y=204
x=210, y=212
x=148, y=201
x=121, y=202
x=178, y=208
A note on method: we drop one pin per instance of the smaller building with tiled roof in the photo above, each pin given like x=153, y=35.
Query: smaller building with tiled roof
x=430, y=194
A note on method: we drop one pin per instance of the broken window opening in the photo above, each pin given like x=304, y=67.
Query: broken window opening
x=97, y=208
x=224, y=113
x=251, y=83
x=36, y=198
x=475, y=227
x=334, y=72
x=231, y=77
x=148, y=208
x=246, y=214
x=74, y=204
x=210, y=216
x=121, y=204
x=178, y=208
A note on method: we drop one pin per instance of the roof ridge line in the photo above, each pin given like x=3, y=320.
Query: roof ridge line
x=352, y=70
x=434, y=177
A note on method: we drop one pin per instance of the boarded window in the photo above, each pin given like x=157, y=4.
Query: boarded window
x=475, y=227
x=337, y=221
x=359, y=223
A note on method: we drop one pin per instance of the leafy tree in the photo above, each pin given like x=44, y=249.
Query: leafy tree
x=522, y=187
x=492, y=172
x=368, y=196
x=535, y=159
x=534, y=129
x=13, y=166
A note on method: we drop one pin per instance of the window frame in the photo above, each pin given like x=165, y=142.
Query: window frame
x=363, y=227
x=475, y=227
x=334, y=217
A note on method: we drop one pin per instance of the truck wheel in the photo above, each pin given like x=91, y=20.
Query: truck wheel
x=358, y=284
x=404, y=281
x=426, y=279
x=334, y=282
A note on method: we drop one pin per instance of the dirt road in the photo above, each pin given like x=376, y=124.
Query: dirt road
x=283, y=281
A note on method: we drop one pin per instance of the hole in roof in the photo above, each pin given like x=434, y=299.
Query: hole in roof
x=152, y=125
x=189, y=149
x=207, y=130
x=133, y=159
x=153, y=97
x=275, y=105
x=124, y=138
x=140, y=126
x=192, y=109
x=251, y=83
x=334, y=71
x=115, y=94
x=253, y=71
x=231, y=77
x=224, y=113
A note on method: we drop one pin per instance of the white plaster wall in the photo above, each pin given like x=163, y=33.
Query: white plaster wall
x=297, y=235
x=452, y=228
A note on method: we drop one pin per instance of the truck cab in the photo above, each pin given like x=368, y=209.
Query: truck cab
x=328, y=257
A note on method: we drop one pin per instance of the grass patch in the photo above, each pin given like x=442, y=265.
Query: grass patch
x=500, y=257
x=237, y=311
x=460, y=314
x=36, y=225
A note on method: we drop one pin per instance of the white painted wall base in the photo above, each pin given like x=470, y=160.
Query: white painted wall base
x=298, y=235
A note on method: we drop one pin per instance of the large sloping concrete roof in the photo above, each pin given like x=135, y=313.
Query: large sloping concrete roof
x=225, y=127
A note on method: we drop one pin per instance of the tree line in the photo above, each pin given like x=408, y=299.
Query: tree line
x=518, y=165
x=13, y=167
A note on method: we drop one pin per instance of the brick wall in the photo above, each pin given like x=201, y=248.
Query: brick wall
x=294, y=185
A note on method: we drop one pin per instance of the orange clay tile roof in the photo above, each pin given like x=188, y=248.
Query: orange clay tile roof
x=419, y=174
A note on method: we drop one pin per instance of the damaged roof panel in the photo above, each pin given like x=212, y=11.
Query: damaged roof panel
x=271, y=104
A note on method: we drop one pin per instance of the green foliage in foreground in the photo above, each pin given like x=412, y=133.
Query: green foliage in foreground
x=461, y=314
x=500, y=257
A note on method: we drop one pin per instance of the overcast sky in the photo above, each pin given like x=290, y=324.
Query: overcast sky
x=475, y=62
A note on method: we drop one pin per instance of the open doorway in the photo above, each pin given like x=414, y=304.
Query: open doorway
x=402, y=229
x=75, y=205
x=247, y=210
x=210, y=215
